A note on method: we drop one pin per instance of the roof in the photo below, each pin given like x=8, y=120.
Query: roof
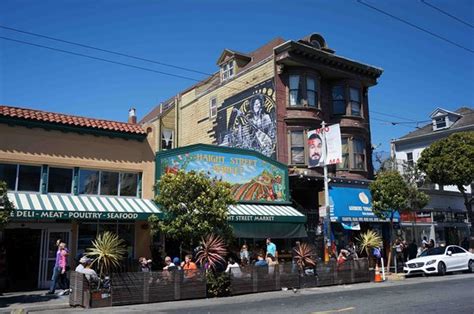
x=467, y=119
x=257, y=56
x=59, y=119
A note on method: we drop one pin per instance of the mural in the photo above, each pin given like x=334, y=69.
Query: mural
x=252, y=178
x=248, y=120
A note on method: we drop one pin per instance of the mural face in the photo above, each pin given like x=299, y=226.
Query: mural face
x=248, y=120
x=252, y=179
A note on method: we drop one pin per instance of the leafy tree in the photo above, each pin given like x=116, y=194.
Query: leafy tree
x=450, y=161
x=194, y=206
x=6, y=207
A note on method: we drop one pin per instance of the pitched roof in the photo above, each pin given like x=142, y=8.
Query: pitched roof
x=257, y=56
x=59, y=119
x=467, y=119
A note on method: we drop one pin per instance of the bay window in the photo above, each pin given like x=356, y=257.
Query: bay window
x=354, y=97
x=353, y=154
x=303, y=90
x=297, y=147
x=338, y=100
x=346, y=101
x=108, y=183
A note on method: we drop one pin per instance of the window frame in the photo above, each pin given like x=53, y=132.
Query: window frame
x=72, y=180
x=351, y=155
x=162, y=138
x=302, y=98
x=119, y=184
x=410, y=161
x=440, y=119
x=348, y=101
x=352, y=101
x=228, y=70
x=212, y=107
x=15, y=187
x=290, y=147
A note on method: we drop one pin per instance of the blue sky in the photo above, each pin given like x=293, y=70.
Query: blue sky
x=420, y=72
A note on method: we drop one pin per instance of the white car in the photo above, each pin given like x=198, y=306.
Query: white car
x=440, y=260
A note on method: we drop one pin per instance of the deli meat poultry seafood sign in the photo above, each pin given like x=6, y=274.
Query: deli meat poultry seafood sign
x=41, y=214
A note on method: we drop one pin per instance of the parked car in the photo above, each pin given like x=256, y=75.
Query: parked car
x=440, y=260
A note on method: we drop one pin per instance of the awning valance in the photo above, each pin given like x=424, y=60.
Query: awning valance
x=352, y=204
x=83, y=207
x=265, y=213
x=263, y=221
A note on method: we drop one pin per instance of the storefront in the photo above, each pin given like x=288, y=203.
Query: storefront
x=41, y=219
x=351, y=214
x=259, y=185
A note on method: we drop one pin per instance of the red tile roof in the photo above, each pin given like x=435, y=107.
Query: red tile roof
x=69, y=120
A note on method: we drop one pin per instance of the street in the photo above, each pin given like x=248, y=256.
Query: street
x=449, y=294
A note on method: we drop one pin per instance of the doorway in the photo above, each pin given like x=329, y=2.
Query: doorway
x=22, y=258
x=48, y=253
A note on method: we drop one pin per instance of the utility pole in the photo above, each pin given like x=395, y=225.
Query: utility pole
x=327, y=220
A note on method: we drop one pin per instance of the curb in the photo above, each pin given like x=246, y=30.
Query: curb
x=45, y=307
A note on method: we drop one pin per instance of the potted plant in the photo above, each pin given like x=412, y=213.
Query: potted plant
x=367, y=242
x=107, y=252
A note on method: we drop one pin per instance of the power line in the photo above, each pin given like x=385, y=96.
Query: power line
x=103, y=50
x=446, y=13
x=416, y=26
x=391, y=115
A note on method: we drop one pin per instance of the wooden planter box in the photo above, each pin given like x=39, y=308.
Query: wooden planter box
x=82, y=295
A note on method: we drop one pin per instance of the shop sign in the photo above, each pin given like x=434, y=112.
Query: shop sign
x=418, y=217
x=42, y=214
x=253, y=177
x=250, y=218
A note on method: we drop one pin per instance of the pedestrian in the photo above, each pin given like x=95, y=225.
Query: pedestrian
x=294, y=254
x=405, y=251
x=376, y=252
x=398, y=246
x=424, y=243
x=233, y=268
x=261, y=261
x=189, y=267
x=341, y=259
x=244, y=255
x=85, y=268
x=177, y=263
x=431, y=244
x=351, y=248
x=271, y=248
x=412, y=250
x=144, y=264
x=63, y=263
x=272, y=262
x=465, y=244
x=56, y=270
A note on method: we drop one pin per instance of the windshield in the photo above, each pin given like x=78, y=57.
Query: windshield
x=434, y=251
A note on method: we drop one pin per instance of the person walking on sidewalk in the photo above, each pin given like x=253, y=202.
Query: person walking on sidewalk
x=271, y=248
x=59, y=267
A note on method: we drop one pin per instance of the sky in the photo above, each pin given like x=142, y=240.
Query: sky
x=421, y=72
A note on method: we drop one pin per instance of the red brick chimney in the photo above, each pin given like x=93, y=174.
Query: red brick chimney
x=132, y=116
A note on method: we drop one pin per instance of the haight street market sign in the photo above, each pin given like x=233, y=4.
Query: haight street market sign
x=53, y=214
x=253, y=176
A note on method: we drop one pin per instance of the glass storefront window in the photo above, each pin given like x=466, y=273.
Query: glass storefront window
x=88, y=181
x=29, y=178
x=59, y=180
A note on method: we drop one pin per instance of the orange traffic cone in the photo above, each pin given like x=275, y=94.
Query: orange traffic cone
x=378, y=276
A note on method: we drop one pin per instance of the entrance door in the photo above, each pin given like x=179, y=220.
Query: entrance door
x=22, y=258
x=48, y=251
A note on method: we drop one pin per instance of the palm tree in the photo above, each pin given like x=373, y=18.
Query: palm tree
x=107, y=252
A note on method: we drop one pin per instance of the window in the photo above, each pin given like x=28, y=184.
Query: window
x=29, y=178
x=345, y=154
x=128, y=184
x=303, y=90
x=295, y=94
x=109, y=183
x=338, y=100
x=297, y=147
x=359, y=154
x=59, y=180
x=311, y=92
x=228, y=70
x=8, y=175
x=213, y=107
x=354, y=94
x=166, y=139
x=353, y=154
x=440, y=122
x=89, y=181
x=410, y=159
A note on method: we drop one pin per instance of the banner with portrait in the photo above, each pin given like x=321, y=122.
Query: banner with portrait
x=324, y=146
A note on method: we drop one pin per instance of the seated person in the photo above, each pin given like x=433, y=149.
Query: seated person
x=260, y=261
x=85, y=268
x=169, y=264
x=233, y=268
x=189, y=267
x=144, y=264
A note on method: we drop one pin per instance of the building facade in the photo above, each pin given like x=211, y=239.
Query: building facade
x=444, y=219
x=71, y=178
x=267, y=101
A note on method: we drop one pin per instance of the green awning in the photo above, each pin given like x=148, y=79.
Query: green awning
x=29, y=205
x=263, y=221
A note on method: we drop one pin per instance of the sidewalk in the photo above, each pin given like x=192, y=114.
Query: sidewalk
x=24, y=302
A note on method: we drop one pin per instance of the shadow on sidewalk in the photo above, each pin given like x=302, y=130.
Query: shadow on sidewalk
x=29, y=297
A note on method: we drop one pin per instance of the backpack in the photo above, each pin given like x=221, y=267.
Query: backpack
x=376, y=252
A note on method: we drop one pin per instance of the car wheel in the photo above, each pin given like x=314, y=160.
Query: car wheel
x=470, y=266
x=441, y=269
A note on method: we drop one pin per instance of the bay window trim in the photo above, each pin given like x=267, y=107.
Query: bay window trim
x=351, y=154
x=303, y=89
x=346, y=87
